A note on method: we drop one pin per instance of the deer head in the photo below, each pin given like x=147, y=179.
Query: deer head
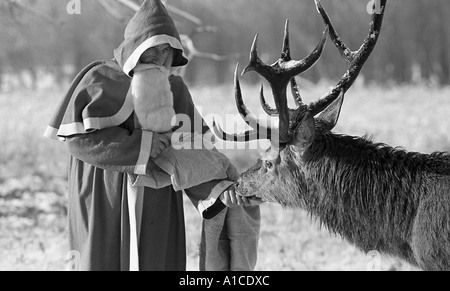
x=281, y=172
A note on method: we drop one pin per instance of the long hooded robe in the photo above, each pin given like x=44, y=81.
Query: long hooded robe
x=97, y=123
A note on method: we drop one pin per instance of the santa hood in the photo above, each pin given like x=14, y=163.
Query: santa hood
x=149, y=27
x=99, y=97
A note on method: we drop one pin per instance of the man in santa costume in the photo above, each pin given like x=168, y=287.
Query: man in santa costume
x=113, y=223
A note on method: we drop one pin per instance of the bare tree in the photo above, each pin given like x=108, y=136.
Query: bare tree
x=14, y=4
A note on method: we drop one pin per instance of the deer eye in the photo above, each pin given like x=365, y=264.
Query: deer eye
x=268, y=164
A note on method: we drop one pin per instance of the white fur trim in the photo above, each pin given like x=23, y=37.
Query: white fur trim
x=144, y=153
x=135, y=198
x=132, y=61
x=214, y=196
x=94, y=123
x=51, y=132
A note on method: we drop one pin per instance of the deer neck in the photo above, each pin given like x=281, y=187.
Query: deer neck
x=362, y=190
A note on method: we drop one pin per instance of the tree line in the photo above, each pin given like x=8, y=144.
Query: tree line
x=413, y=46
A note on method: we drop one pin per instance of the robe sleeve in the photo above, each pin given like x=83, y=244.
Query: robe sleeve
x=114, y=149
x=211, y=205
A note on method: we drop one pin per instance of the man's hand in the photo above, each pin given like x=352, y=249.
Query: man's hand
x=160, y=142
x=232, y=199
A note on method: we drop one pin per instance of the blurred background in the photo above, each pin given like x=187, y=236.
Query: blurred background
x=40, y=39
x=402, y=98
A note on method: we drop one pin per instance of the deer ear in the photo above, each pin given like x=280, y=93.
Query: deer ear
x=305, y=133
x=329, y=117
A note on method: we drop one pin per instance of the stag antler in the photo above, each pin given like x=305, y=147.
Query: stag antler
x=278, y=75
x=354, y=59
x=284, y=71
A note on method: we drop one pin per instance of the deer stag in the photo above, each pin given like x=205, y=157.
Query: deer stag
x=375, y=196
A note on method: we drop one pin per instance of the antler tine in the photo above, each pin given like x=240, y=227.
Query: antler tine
x=294, y=68
x=247, y=136
x=269, y=110
x=256, y=64
x=257, y=132
x=296, y=93
x=356, y=60
x=345, y=52
x=286, y=52
x=292, y=112
x=248, y=117
x=254, y=58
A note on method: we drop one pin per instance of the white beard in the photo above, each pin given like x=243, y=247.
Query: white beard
x=153, y=99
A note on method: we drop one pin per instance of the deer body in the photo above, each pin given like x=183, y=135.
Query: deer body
x=375, y=196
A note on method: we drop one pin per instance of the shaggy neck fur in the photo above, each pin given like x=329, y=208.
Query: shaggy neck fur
x=367, y=192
